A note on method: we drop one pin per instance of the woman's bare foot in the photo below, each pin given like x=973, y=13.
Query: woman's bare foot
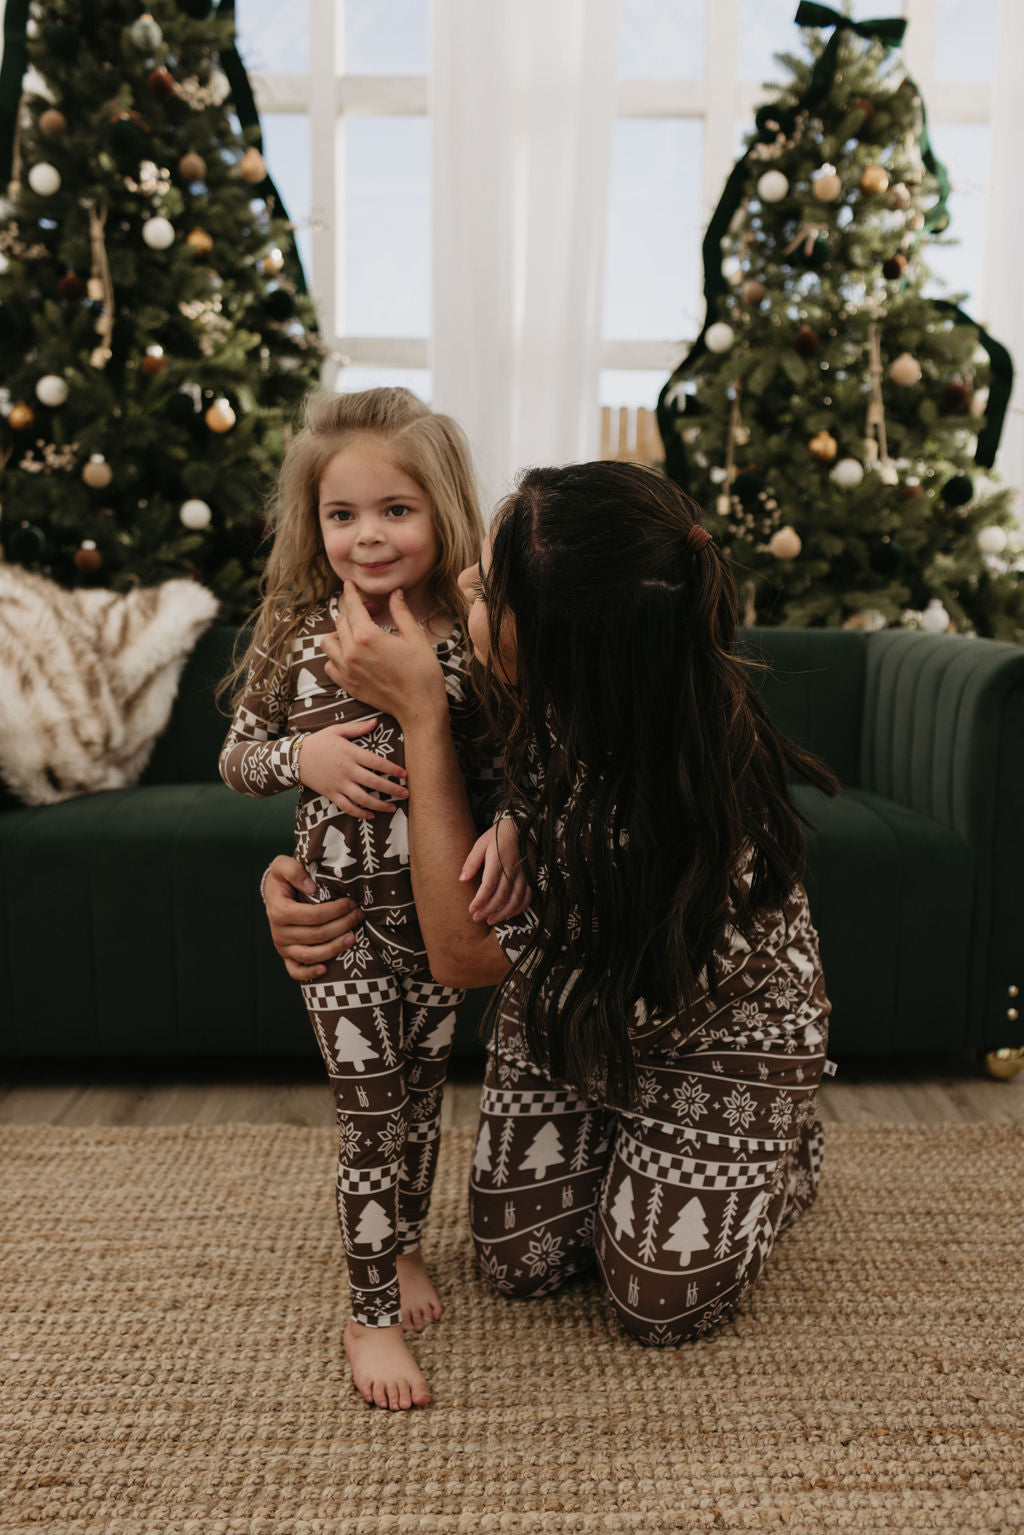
x=385, y=1373
x=421, y=1303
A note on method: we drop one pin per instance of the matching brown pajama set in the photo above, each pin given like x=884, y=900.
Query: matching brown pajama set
x=383, y=1024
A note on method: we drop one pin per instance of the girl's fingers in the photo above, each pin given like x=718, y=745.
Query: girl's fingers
x=353, y=729
x=373, y=764
x=344, y=803
x=473, y=862
x=387, y=788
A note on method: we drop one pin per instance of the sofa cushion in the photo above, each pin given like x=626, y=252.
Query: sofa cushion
x=891, y=892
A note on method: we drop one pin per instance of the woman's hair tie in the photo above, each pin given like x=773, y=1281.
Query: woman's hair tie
x=697, y=537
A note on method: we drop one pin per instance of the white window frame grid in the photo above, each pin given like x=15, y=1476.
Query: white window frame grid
x=331, y=97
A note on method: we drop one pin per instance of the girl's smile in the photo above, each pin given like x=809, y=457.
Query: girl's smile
x=377, y=525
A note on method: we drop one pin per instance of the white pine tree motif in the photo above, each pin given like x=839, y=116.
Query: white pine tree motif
x=374, y=1227
x=387, y=1048
x=504, y=1147
x=622, y=1211
x=350, y=1045
x=398, y=837
x=328, y=1053
x=369, y=851
x=423, y=1173
x=722, y=1245
x=688, y=1232
x=482, y=1155
x=648, y=1246
x=579, y=1156
x=545, y=1150
x=306, y=685
x=441, y=1037
x=336, y=854
x=747, y=1230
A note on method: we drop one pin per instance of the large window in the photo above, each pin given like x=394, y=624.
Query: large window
x=343, y=93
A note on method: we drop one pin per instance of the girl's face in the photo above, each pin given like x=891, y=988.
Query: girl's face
x=377, y=526
x=473, y=583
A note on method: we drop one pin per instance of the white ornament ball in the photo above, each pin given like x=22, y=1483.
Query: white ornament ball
x=158, y=233
x=785, y=544
x=826, y=185
x=979, y=402
x=97, y=473
x=935, y=618
x=905, y=370
x=992, y=540
x=889, y=474
x=145, y=33
x=717, y=476
x=719, y=337
x=44, y=179
x=195, y=514
x=220, y=87
x=772, y=187
x=52, y=390
x=848, y=473
x=741, y=436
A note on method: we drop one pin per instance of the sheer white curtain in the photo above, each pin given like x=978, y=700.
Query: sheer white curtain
x=523, y=98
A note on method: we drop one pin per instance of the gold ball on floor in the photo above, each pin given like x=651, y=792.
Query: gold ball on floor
x=1005, y=1064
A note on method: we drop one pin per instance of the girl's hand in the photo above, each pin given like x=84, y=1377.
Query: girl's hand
x=504, y=889
x=397, y=673
x=350, y=776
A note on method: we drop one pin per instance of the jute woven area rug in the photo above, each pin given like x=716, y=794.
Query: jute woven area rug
x=173, y=1301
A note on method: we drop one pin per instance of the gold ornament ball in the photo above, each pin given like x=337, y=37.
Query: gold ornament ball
x=252, y=166
x=1005, y=1064
x=192, y=167
x=826, y=185
x=154, y=361
x=873, y=179
x=199, y=241
x=785, y=544
x=94, y=290
x=220, y=417
x=823, y=447
x=905, y=370
x=88, y=558
x=97, y=473
x=753, y=292
x=52, y=123
x=723, y=504
x=272, y=263
x=21, y=417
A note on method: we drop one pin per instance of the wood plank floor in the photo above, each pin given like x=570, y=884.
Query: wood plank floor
x=905, y=1090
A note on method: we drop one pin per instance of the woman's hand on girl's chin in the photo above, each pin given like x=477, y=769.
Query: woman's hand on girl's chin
x=398, y=673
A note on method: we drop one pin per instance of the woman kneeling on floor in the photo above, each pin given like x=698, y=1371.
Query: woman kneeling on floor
x=660, y=1022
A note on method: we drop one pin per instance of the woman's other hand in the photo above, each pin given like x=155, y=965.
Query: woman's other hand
x=305, y=934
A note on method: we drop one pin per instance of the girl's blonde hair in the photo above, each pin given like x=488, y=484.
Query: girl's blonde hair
x=429, y=447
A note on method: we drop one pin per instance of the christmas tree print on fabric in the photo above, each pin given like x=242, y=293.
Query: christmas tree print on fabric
x=545, y=1150
x=689, y=1232
x=350, y=1045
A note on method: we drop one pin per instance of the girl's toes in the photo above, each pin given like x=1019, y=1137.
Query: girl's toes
x=420, y=1395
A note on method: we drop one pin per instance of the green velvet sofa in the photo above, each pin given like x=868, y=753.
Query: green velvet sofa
x=130, y=922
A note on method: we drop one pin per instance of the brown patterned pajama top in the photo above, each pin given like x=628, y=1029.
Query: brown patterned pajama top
x=681, y=1201
x=383, y=1024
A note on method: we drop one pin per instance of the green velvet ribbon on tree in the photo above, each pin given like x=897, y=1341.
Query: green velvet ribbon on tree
x=245, y=106
x=12, y=72
x=770, y=120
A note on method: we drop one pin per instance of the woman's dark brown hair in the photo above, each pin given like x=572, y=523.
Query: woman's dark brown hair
x=659, y=769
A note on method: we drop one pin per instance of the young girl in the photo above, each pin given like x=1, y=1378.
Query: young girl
x=376, y=490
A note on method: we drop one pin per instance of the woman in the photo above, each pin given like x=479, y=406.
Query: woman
x=660, y=1024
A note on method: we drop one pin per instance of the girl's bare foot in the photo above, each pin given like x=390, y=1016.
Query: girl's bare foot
x=421, y=1303
x=385, y=1373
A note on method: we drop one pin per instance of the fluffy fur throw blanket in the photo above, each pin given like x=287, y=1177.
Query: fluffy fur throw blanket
x=88, y=679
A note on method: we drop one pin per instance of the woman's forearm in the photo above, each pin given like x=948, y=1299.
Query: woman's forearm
x=441, y=833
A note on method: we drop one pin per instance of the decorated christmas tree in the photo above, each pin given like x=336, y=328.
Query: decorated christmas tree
x=835, y=421
x=154, y=323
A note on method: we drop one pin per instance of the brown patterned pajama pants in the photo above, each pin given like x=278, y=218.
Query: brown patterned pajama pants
x=680, y=1202
x=385, y=1036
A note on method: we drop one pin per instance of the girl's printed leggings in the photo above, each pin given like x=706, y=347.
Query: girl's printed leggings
x=679, y=1203
x=385, y=1037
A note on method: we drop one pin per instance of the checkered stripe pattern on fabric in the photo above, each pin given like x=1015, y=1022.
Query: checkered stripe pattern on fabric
x=735, y=1143
x=367, y=1180
x=499, y=1100
x=423, y=1130
x=428, y=994
x=360, y=991
x=662, y=1166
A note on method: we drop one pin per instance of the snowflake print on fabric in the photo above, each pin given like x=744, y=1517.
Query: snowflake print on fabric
x=748, y=1015
x=381, y=740
x=659, y=1336
x=348, y=1138
x=781, y=1115
x=392, y=1139
x=691, y=1100
x=738, y=1109
x=427, y=1105
x=782, y=992
x=647, y=1089
x=494, y=1270
x=356, y=959
x=508, y=1072
x=543, y=1253
x=712, y=1316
